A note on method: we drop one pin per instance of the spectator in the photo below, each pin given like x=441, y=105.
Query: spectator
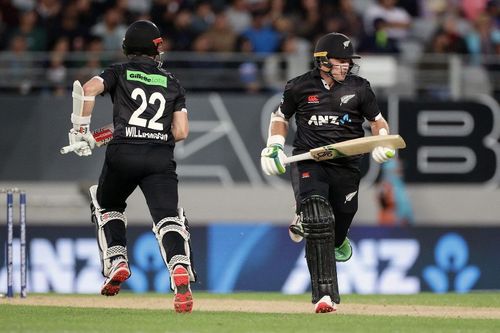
x=432, y=77
x=345, y=19
x=483, y=39
x=493, y=10
x=139, y=7
x=57, y=72
x=110, y=30
x=70, y=28
x=473, y=8
x=398, y=20
x=248, y=70
x=35, y=36
x=181, y=33
x=221, y=35
x=238, y=16
x=264, y=38
x=395, y=205
x=379, y=41
x=94, y=63
x=306, y=19
x=290, y=42
x=49, y=13
x=450, y=29
x=18, y=65
x=203, y=17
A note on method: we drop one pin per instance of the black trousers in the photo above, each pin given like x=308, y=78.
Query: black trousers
x=149, y=166
x=339, y=184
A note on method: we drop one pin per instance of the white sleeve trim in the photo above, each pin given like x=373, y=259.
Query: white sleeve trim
x=378, y=117
x=182, y=110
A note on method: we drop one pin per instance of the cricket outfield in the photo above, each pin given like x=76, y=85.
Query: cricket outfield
x=251, y=312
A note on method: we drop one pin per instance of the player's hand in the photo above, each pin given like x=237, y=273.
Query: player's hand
x=382, y=154
x=272, y=160
x=82, y=135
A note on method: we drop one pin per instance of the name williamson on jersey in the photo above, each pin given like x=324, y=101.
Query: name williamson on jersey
x=134, y=132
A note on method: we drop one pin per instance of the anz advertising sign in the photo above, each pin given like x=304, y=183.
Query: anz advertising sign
x=261, y=257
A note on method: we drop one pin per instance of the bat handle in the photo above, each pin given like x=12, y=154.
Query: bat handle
x=299, y=157
x=73, y=147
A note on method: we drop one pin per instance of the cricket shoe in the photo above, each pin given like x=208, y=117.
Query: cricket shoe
x=183, y=299
x=119, y=273
x=325, y=305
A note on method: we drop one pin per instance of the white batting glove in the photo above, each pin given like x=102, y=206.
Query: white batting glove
x=272, y=160
x=382, y=154
x=82, y=135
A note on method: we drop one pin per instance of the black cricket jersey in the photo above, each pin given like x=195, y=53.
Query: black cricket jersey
x=326, y=116
x=144, y=99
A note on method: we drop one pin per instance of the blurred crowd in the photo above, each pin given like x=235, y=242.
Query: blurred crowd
x=248, y=26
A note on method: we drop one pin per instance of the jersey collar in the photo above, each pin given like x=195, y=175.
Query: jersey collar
x=143, y=59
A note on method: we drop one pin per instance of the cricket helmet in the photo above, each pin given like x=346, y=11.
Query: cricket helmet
x=142, y=37
x=335, y=45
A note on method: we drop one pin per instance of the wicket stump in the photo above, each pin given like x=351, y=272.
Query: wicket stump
x=10, y=194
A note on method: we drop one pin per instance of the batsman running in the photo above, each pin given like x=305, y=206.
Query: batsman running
x=330, y=104
x=149, y=116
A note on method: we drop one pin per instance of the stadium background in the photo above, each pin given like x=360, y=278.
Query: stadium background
x=437, y=81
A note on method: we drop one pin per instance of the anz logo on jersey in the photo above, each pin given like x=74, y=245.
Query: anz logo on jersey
x=319, y=120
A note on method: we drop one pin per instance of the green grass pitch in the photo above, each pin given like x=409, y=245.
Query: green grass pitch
x=473, y=312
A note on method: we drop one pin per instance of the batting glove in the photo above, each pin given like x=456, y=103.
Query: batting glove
x=82, y=135
x=382, y=154
x=272, y=160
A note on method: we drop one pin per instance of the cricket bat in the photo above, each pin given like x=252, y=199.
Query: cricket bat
x=349, y=148
x=101, y=135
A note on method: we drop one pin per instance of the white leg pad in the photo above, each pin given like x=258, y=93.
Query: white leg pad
x=101, y=219
x=175, y=224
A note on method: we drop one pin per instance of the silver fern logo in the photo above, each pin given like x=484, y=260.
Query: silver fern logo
x=346, y=98
x=346, y=44
x=349, y=196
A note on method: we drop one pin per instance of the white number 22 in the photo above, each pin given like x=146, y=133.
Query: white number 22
x=136, y=120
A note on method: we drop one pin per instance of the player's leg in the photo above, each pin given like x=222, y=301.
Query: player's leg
x=171, y=229
x=311, y=188
x=318, y=224
x=344, y=200
x=107, y=208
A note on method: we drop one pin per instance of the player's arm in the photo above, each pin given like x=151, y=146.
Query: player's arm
x=80, y=136
x=273, y=156
x=92, y=88
x=180, y=125
x=379, y=126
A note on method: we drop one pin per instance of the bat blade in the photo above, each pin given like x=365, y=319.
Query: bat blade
x=350, y=148
x=357, y=146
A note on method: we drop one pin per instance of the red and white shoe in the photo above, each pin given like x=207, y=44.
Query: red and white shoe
x=325, y=305
x=119, y=273
x=183, y=298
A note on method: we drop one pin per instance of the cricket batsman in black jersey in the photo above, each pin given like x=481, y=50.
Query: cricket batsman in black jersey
x=149, y=116
x=330, y=104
